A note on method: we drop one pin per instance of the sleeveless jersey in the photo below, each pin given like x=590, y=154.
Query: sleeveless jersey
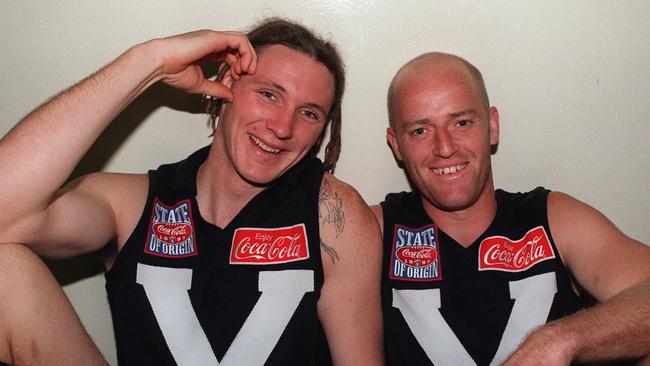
x=183, y=291
x=445, y=304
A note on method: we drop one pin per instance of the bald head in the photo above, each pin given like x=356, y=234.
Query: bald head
x=430, y=63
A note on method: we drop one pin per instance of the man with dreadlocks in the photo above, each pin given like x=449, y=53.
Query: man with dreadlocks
x=247, y=252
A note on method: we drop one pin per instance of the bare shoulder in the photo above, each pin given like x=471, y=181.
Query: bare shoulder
x=331, y=196
x=560, y=203
x=571, y=220
x=344, y=216
x=339, y=204
x=116, y=189
x=602, y=258
x=105, y=181
x=379, y=215
x=108, y=203
x=125, y=195
x=349, y=306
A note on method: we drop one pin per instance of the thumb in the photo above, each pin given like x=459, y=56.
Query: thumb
x=215, y=89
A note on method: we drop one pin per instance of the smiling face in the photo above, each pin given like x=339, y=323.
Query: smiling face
x=277, y=114
x=442, y=131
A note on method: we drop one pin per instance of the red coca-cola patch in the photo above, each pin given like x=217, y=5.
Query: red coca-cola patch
x=499, y=253
x=416, y=256
x=269, y=246
x=172, y=233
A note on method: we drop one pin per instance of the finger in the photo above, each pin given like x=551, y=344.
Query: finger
x=249, y=61
x=215, y=89
x=231, y=60
x=238, y=67
x=226, y=46
x=245, y=51
x=251, y=65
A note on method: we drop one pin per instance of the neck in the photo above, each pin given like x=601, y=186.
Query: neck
x=221, y=191
x=465, y=225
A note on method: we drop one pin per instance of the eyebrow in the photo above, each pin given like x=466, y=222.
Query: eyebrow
x=271, y=84
x=424, y=121
x=462, y=113
x=418, y=122
x=319, y=107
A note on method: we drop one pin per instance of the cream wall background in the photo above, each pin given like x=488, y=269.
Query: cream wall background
x=571, y=80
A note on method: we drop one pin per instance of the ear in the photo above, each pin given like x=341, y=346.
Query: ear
x=494, y=125
x=221, y=88
x=392, y=140
x=224, y=81
x=227, y=79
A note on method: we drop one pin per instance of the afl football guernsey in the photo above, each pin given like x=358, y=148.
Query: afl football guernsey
x=183, y=291
x=445, y=304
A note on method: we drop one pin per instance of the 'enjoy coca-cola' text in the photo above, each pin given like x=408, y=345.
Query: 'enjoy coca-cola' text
x=269, y=246
x=502, y=254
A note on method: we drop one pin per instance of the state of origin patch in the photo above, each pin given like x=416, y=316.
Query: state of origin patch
x=171, y=231
x=416, y=254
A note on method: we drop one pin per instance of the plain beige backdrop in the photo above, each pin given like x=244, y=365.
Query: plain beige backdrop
x=571, y=80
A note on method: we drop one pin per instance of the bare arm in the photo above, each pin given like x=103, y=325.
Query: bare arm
x=39, y=326
x=41, y=151
x=349, y=307
x=610, y=266
x=379, y=215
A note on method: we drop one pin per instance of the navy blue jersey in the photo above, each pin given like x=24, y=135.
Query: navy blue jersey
x=184, y=291
x=445, y=304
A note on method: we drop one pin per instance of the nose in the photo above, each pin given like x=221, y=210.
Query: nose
x=281, y=123
x=444, y=144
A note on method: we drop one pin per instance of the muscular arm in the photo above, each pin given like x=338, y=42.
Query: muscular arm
x=349, y=307
x=41, y=151
x=379, y=215
x=610, y=266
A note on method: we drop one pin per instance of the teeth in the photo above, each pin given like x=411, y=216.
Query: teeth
x=449, y=170
x=263, y=146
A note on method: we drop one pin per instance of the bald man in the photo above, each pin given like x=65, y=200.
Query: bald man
x=474, y=275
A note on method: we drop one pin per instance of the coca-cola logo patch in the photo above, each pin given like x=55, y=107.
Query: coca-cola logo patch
x=415, y=255
x=498, y=253
x=171, y=230
x=269, y=246
x=172, y=233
